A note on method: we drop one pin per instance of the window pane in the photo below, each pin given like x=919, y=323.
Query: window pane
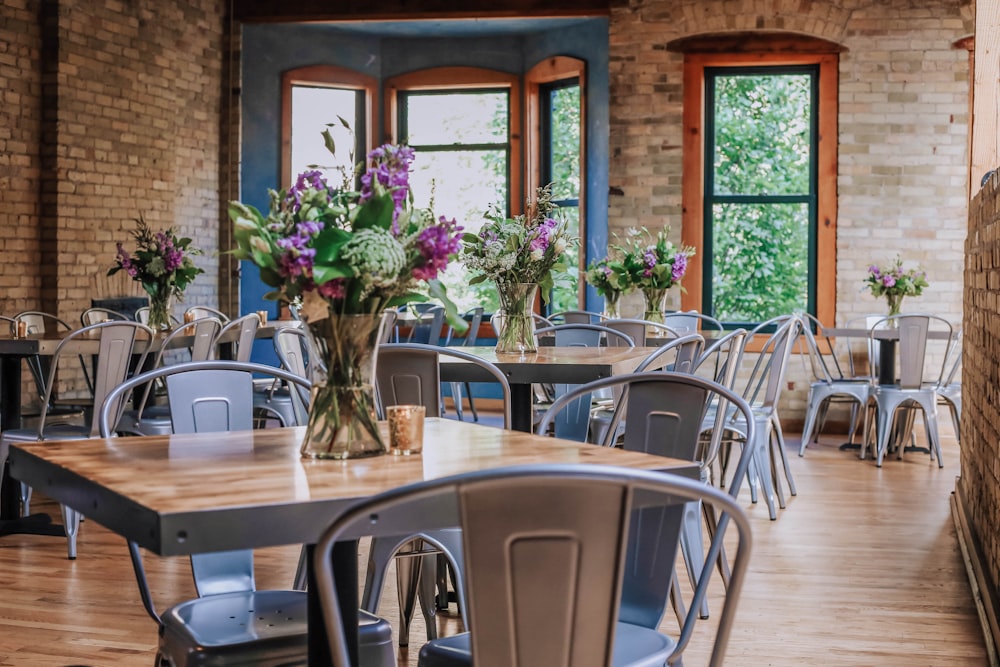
x=760, y=260
x=762, y=134
x=565, y=143
x=313, y=108
x=475, y=117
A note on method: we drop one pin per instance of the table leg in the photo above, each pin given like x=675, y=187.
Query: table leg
x=10, y=490
x=521, y=407
x=887, y=362
x=345, y=573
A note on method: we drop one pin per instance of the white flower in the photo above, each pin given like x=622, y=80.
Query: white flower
x=537, y=255
x=560, y=246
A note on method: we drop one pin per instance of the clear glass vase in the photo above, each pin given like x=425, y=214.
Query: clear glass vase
x=654, y=297
x=612, y=302
x=895, y=303
x=160, y=306
x=517, y=327
x=342, y=421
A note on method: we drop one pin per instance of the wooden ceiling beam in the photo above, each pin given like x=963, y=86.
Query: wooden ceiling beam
x=285, y=11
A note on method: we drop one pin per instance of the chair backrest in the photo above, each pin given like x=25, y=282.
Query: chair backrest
x=245, y=330
x=114, y=358
x=11, y=323
x=640, y=330
x=691, y=321
x=410, y=374
x=37, y=323
x=204, y=397
x=428, y=327
x=573, y=531
x=585, y=335
x=768, y=373
x=721, y=360
x=575, y=317
x=911, y=354
x=387, y=331
x=681, y=354
x=474, y=316
x=953, y=361
x=198, y=312
x=97, y=315
x=825, y=366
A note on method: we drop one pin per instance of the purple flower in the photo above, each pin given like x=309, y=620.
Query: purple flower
x=306, y=180
x=333, y=289
x=679, y=267
x=436, y=245
x=298, y=257
x=649, y=260
x=888, y=281
x=389, y=166
x=125, y=261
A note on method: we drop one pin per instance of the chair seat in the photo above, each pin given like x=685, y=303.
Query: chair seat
x=155, y=421
x=635, y=646
x=256, y=628
x=51, y=432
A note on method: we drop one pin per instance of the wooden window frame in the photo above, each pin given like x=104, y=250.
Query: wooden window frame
x=322, y=76
x=549, y=70
x=693, y=227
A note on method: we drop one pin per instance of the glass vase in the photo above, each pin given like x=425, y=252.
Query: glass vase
x=517, y=327
x=342, y=421
x=612, y=301
x=895, y=303
x=654, y=297
x=160, y=306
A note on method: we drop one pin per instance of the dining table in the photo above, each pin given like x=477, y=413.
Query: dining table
x=888, y=339
x=550, y=364
x=186, y=494
x=13, y=350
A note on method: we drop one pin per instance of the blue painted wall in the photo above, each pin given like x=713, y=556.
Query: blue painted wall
x=269, y=50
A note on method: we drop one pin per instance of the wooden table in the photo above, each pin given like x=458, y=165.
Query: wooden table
x=184, y=494
x=887, y=339
x=555, y=365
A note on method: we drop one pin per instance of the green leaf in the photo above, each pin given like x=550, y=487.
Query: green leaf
x=324, y=273
x=437, y=290
x=328, y=244
x=376, y=212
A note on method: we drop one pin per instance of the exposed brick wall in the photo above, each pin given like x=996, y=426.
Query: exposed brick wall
x=20, y=136
x=980, y=477
x=903, y=126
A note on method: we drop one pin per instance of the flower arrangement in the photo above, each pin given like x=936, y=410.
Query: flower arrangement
x=608, y=277
x=352, y=252
x=528, y=248
x=343, y=257
x=653, y=264
x=162, y=263
x=893, y=282
x=521, y=255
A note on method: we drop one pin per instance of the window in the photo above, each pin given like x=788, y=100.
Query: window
x=463, y=124
x=712, y=197
x=760, y=193
x=318, y=98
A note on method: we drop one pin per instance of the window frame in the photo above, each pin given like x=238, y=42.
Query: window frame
x=329, y=76
x=693, y=188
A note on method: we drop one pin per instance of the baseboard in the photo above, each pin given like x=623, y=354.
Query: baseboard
x=984, y=592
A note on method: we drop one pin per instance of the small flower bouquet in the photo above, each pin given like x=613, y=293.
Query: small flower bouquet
x=654, y=265
x=162, y=263
x=609, y=278
x=521, y=255
x=893, y=282
x=343, y=257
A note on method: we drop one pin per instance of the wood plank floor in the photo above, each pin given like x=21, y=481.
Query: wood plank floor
x=862, y=568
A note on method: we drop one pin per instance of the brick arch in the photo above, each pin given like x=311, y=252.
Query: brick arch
x=757, y=41
x=823, y=19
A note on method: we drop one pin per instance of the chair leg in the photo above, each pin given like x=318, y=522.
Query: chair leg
x=425, y=593
x=809, y=425
x=780, y=439
x=763, y=461
x=456, y=398
x=472, y=403
x=680, y=611
x=71, y=521
x=692, y=548
x=407, y=580
x=25, y=499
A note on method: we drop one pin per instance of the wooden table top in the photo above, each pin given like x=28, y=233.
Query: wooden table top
x=880, y=334
x=570, y=365
x=186, y=494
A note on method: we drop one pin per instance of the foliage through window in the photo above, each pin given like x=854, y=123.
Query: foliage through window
x=760, y=192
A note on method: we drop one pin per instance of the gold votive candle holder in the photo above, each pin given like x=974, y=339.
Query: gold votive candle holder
x=406, y=428
x=21, y=330
x=188, y=318
x=262, y=315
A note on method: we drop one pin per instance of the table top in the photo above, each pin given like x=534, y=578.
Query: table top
x=45, y=344
x=569, y=365
x=880, y=334
x=187, y=494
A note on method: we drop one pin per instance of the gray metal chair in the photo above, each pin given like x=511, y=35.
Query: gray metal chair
x=667, y=413
x=829, y=384
x=116, y=340
x=910, y=391
x=575, y=317
x=639, y=330
x=429, y=325
x=691, y=321
x=149, y=419
x=240, y=348
x=949, y=390
x=561, y=530
x=97, y=315
x=230, y=622
x=475, y=318
x=198, y=312
x=409, y=374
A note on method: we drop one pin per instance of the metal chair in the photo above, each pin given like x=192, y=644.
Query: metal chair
x=116, y=341
x=910, y=391
x=277, y=399
x=148, y=419
x=575, y=317
x=574, y=423
x=691, y=321
x=475, y=318
x=230, y=622
x=246, y=331
x=97, y=315
x=562, y=530
x=198, y=312
x=429, y=325
x=829, y=384
x=409, y=374
x=640, y=330
x=949, y=390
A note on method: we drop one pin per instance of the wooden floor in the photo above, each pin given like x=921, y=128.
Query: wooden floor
x=862, y=568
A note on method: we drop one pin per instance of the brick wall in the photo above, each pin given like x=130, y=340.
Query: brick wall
x=903, y=126
x=980, y=473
